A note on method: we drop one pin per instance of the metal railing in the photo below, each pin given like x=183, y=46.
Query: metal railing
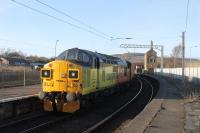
x=18, y=76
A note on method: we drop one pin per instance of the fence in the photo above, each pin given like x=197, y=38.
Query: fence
x=192, y=74
x=192, y=79
x=18, y=75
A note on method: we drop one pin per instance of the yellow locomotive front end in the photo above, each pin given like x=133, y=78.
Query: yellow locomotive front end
x=61, y=85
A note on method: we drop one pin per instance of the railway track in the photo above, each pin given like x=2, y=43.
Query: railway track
x=30, y=123
x=10, y=123
x=78, y=122
x=100, y=123
x=45, y=124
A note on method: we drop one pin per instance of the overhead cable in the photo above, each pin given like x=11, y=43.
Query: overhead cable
x=59, y=19
x=74, y=19
x=187, y=12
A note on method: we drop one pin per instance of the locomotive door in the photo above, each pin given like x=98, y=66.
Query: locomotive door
x=97, y=65
x=93, y=82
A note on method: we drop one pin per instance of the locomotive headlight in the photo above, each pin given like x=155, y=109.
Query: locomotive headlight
x=46, y=73
x=70, y=97
x=41, y=95
x=73, y=74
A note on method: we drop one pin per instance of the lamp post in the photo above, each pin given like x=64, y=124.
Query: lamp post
x=55, y=47
x=120, y=38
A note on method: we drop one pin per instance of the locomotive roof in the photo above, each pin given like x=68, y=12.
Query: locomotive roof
x=99, y=55
x=104, y=57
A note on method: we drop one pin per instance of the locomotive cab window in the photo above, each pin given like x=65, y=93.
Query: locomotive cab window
x=80, y=56
x=84, y=58
x=63, y=55
x=70, y=54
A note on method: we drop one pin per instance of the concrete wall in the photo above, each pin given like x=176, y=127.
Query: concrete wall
x=10, y=108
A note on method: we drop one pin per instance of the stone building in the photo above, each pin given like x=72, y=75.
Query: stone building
x=150, y=59
x=3, y=61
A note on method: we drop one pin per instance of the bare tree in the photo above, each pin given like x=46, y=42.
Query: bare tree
x=176, y=55
x=37, y=59
x=168, y=62
x=13, y=53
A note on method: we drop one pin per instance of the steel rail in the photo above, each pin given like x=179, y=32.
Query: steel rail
x=21, y=120
x=45, y=124
x=116, y=112
x=152, y=89
x=38, y=126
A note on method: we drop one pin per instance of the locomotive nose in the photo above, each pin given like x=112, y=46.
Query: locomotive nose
x=60, y=75
x=54, y=76
x=60, y=81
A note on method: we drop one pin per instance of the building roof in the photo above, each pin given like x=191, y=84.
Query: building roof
x=150, y=52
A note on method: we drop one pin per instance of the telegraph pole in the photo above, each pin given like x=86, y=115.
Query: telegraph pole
x=55, y=47
x=162, y=50
x=183, y=57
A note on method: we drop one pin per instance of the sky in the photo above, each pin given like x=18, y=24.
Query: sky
x=162, y=21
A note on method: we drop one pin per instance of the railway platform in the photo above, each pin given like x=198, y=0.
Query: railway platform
x=170, y=118
x=165, y=114
x=20, y=91
x=17, y=101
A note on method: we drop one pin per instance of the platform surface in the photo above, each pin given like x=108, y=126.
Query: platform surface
x=165, y=114
x=19, y=91
x=170, y=118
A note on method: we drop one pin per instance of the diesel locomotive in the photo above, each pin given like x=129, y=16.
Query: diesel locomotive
x=77, y=75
